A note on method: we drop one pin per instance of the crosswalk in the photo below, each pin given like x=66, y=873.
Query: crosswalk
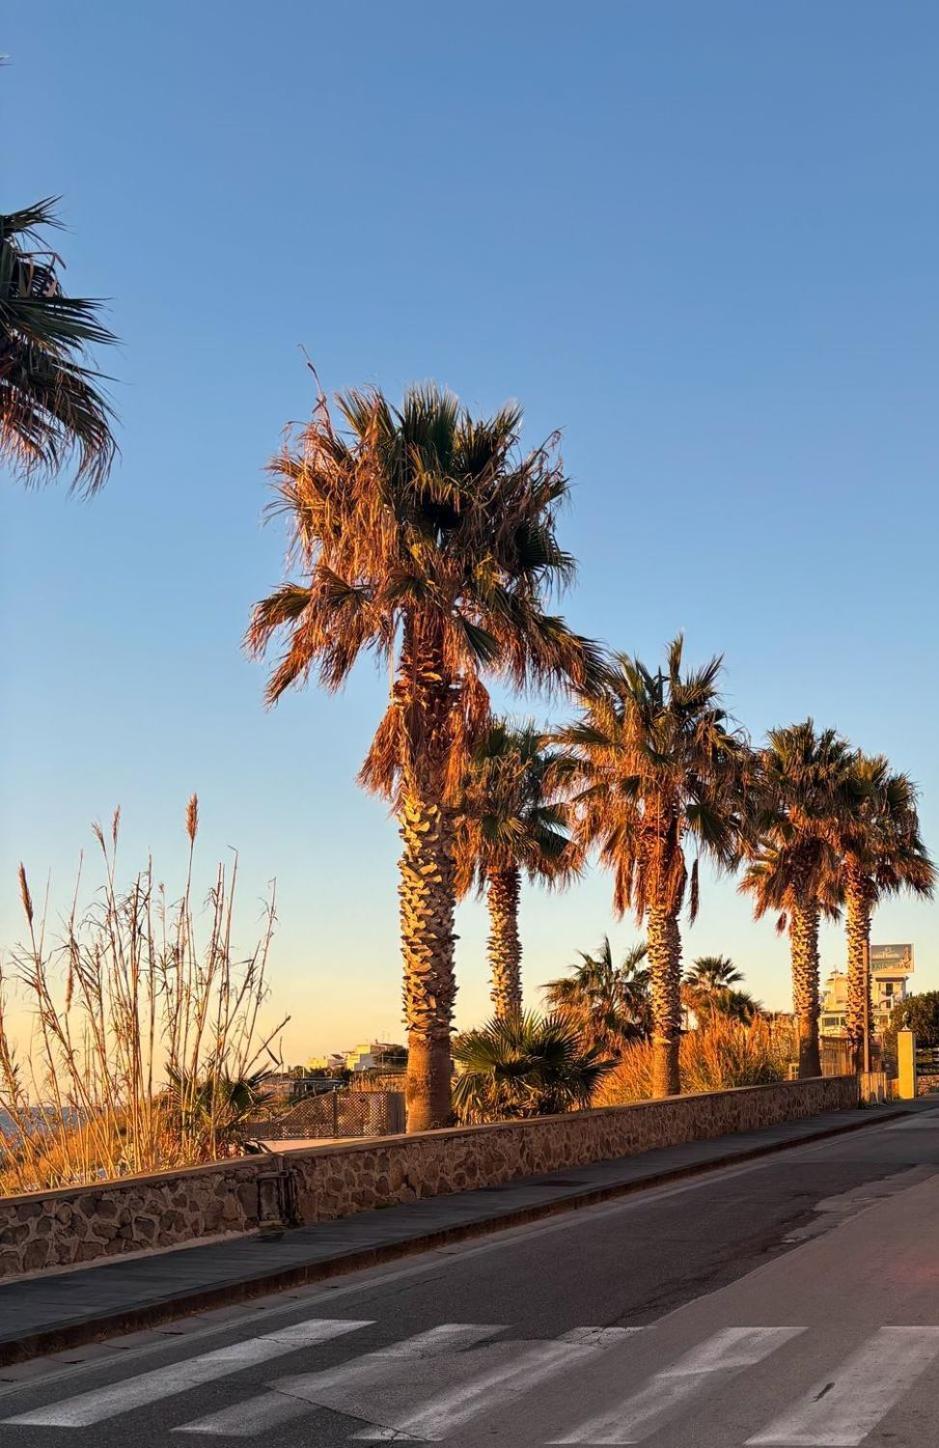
x=439, y=1385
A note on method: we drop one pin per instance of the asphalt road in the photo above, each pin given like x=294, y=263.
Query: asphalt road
x=792, y=1300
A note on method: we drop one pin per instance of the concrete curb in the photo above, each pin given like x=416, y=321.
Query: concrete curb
x=151, y=1314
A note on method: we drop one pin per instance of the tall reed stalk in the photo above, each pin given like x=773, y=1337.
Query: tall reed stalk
x=147, y=1049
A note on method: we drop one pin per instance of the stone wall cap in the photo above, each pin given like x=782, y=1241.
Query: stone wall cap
x=373, y=1143
x=110, y=1184
x=272, y=1161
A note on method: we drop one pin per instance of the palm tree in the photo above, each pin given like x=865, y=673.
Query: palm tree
x=508, y=825
x=427, y=537
x=881, y=853
x=608, y=1003
x=805, y=795
x=709, y=988
x=655, y=762
x=50, y=402
x=736, y=1005
x=712, y=973
x=522, y=1066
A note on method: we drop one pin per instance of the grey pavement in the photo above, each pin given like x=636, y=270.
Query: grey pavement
x=789, y=1299
x=64, y=1309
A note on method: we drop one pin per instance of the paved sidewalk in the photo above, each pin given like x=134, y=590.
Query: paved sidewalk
x=59, y=1310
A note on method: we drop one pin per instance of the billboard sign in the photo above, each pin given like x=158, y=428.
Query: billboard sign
x=891, y=959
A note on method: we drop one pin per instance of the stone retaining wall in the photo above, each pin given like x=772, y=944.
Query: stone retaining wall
x=55, y=1229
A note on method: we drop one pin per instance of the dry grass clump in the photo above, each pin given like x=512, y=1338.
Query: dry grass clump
x=722, y=1054
x=146, y=1049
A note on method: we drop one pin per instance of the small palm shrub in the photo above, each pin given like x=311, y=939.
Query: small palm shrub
x=722, y=1054
x=522, y=1066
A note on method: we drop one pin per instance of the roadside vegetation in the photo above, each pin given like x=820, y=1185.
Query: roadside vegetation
x=427, y=537
x=146, y=1046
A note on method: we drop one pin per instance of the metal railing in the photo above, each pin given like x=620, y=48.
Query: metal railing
x=334, y=1115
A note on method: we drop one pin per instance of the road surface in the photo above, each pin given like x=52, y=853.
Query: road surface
x=792, y=1300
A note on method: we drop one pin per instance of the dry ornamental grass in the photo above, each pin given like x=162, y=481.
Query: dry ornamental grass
x=720, y=1055
x=147, y=1049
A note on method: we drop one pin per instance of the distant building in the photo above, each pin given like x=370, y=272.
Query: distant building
x=376, y=1055
x=367, y=1056
x=891, y=968
x=332, y=1063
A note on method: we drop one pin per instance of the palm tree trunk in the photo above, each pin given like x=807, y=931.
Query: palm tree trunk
x=803, y=942
x=858, y=930
x=664, y=954
x=505, y=947
x=427, y=898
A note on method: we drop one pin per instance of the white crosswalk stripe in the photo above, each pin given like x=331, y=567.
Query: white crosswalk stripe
x=840, y=1411
x=294, y=1397
x=179, y=1377
x=513, y=1369
x=394, y=1397
x=699, y=1371
x=431, y=1386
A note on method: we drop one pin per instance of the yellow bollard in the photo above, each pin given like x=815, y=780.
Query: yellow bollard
x=906, y=1065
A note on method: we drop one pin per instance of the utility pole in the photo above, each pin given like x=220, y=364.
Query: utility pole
x=867, y=1008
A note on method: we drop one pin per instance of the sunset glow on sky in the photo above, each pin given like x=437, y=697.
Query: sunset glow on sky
x=699, y=239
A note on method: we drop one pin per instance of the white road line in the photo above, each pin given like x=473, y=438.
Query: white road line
x=513, y=1370
x=294, y=1397
x=711, y=1363
x=179, y=1377
x=840, y=1411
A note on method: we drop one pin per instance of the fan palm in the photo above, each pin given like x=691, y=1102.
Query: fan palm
x=737, y=1005
x=709, y=988
x=713, y=972
x=655, y=763
x=50, y=401
x=427, y=537
x=881, y=853
x=509, y=825
x=522, y=1066
x=805, y=795
x=608, y=1003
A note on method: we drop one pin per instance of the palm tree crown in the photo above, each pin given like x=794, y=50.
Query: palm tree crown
x=510, y=817
x=713, y=972
x=428, y=538
x=50, y=401
x=655, y=762
x=608, y=1003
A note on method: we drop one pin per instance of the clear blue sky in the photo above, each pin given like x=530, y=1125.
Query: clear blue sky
x=701, y=239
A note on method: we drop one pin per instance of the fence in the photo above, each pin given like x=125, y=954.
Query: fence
x=835, y=1055
x=335, y=1114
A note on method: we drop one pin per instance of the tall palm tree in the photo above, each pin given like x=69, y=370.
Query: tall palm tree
x=510, y=824
x=50, y=402
x=805, y=795
x=655, y=764
x=427, y=537
x=608, y=1003
x=882, y=853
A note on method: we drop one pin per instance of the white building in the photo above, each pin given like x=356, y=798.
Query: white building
x=371, y=1055
x=891, y=968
